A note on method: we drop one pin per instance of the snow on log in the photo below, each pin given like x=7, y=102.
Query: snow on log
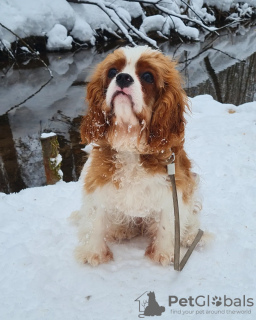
x=52, y=158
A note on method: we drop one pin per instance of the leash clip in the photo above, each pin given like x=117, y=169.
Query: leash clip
x=171, y=166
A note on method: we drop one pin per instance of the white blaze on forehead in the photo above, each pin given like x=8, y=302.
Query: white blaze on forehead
x=133, y=54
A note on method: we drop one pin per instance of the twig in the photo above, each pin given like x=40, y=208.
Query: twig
x=32, y=51
x=192, y=10
x=206, y=48
x=135, y=30
x=171, y=13
x=108, y=8
x=110, y=14
x=8, y=50
x=23, y=41
x=8, y=69
x=36, y=56
x=145, y=1
x=31, y=96
x=229, y=24
x=186, y=18
x=231, y=57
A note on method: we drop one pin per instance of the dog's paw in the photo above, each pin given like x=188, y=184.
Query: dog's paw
x=94, y=258
x=160, y=256
x=189, y=238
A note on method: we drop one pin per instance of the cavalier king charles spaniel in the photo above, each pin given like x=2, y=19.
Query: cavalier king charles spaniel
x=135, y=123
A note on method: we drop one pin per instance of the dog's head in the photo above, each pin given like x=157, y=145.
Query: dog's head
x=135, y=100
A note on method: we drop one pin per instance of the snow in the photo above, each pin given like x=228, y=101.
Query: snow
x=82, y=31
x=184, y=30
x=46, y=135
x=225, y=5
x=153, y=23
x=88, y=148
x=40, y=278
x=58, y=38
x=165, y=24
x=35, y=18
x=63, y=22
x=134, y=9
x=197, y=6
x=56, y=161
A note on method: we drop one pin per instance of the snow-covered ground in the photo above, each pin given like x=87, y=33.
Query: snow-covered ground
x=40, y=279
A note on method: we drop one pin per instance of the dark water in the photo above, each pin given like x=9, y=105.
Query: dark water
x=224, y=67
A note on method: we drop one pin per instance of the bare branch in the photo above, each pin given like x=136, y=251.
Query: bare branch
x=32, y=51
x=8, y=50
x=111, y=14
x=192, y=10
x=145, y=1
x=186, y=18
x=23, y=41
x=112, y=11
x=37, y=57
x=31, y=96
x=135, y=30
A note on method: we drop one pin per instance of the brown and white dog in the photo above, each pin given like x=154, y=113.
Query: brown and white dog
x=135, y=121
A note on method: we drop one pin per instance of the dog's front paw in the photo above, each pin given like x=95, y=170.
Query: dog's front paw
x=165, y=257
x=204, y=241
x=93, y=257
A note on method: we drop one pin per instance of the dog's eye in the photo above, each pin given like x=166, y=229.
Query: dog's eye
x=148, y=77
x=112, y=73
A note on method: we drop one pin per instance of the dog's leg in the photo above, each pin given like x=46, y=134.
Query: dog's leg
x=161, y=231
x=191, y=230
x=92, y=230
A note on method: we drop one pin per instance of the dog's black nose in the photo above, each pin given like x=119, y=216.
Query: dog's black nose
x=124, y=80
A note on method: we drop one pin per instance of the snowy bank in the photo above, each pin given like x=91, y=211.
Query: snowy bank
x=40, y=279
x=63, y=22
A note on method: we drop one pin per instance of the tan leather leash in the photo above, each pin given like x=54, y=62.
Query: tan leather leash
x=178, y=266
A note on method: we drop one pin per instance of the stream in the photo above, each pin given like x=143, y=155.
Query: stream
x=223, y=67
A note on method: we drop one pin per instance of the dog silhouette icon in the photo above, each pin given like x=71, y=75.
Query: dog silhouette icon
x=153, y=308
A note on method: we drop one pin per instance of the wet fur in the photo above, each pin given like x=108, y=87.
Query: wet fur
x=126, y=191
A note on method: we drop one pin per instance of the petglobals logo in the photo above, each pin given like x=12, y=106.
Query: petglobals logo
x=208, y=301
x=209, y=305
x=150, y=306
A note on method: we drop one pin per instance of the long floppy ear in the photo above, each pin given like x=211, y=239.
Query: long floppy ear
x=168, y=123
x=94, y=124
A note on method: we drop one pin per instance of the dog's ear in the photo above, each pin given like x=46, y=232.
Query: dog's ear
x=94, y=124
x=168, y=123
x=97, y=120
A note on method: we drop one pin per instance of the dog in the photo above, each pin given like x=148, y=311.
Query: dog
x=135, y=123
x=153, y=308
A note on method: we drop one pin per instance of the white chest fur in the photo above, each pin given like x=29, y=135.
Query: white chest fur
x=139, y=194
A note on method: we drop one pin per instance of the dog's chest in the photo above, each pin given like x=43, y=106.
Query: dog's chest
x=129, y=171
x=139, y=193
